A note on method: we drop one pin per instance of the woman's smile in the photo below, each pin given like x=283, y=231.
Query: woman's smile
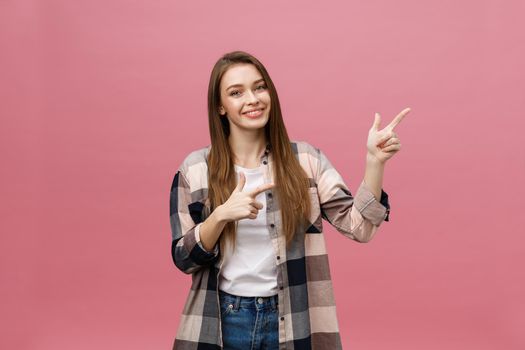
x=254, y=114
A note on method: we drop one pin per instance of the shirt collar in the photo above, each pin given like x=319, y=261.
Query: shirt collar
x=266, y=150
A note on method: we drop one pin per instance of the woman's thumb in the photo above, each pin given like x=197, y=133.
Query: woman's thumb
x=242, y=181
x=377, y=121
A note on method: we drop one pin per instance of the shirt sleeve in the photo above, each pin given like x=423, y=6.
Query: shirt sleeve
x=356, y=217
x=186, y=217
x=215, y=250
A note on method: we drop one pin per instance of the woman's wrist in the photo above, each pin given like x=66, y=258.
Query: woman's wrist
x=372, y=160
x=212, y=228
x=218, y=213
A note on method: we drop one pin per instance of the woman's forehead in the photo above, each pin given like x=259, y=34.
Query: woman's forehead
x=244, y=74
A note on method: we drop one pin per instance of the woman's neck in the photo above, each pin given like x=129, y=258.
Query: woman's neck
x=247, y=149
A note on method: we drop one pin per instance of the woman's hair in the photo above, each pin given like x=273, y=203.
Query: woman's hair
x=291, y=181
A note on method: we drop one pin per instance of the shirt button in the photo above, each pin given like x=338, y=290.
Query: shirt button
x=265, y=162
x=270, y=194
x=272, y=225
x=282, y=318
x=281, y=287
x=278, y=257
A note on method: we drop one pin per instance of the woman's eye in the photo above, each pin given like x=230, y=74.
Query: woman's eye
x=234, y=92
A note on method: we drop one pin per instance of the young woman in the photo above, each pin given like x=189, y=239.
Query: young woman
x=246, y=218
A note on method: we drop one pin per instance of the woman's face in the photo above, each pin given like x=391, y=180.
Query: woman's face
x=242, y=90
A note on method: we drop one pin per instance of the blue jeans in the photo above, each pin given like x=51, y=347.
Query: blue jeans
x=249, y=323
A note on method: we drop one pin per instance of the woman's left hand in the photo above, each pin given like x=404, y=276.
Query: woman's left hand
x=383, y=144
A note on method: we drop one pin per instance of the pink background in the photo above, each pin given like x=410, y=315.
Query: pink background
x=101, y=100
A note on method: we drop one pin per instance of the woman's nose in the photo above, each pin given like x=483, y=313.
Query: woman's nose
x=251, y=97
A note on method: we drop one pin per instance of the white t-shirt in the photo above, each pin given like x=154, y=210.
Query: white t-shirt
x=250, y=270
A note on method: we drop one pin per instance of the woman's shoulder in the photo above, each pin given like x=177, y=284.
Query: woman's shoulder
x=304, y=147
x=308, y=156
x=195, y=161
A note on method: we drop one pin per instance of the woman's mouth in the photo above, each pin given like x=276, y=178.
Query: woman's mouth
x=254, y=114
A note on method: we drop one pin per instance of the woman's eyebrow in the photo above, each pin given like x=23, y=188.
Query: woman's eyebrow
x=235, y=85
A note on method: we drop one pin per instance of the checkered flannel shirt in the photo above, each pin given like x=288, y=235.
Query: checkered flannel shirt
x=307, y=312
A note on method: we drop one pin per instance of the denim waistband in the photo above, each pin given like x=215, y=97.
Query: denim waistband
x=249, y=302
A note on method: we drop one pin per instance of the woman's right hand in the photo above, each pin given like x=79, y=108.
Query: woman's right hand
x=242, y=205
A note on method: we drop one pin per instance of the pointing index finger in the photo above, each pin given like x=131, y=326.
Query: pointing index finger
x=261, y=189
x=398, y=118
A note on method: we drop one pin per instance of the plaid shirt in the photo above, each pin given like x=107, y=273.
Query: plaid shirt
x=307, y=313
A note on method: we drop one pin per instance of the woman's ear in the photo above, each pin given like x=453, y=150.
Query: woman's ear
x=222, y=111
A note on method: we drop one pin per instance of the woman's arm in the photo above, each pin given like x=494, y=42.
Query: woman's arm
x=356, y=217
x=194, y=241
x=211, y=230
x=374, y=175
x=186, y=215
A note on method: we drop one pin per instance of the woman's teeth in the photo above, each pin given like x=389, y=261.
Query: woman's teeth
x=254, y=113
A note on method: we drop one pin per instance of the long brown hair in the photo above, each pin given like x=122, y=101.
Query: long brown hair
x=291, y=181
